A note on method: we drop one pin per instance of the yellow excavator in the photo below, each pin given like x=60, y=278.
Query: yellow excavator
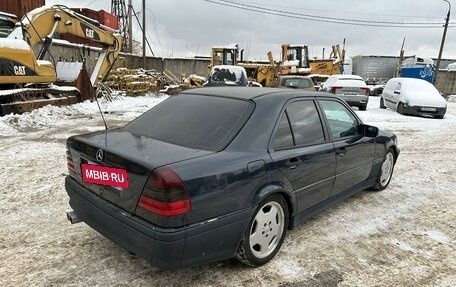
x=26, y=80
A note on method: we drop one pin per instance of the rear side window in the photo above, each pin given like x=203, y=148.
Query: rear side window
x=196, y=121
x=390, y=85
x=299, y=125
x=283, y=137
x=305, y=123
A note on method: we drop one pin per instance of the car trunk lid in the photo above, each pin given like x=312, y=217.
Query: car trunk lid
x=136, y=155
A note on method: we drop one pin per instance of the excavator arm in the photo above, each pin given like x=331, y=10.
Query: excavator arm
x=39, y=26
x=25, y=78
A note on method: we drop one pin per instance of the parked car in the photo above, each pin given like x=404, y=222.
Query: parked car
x=213, y=173
x=414, y=97
x=227, y=75
x=350, y=88
x=376, y=90
x=295, y=82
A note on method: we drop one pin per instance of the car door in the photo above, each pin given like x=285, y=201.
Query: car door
x=303, y=153
x=354, y=151
x=389, y=97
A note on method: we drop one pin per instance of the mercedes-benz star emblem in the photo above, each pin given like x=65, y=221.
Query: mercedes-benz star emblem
x=99, y=155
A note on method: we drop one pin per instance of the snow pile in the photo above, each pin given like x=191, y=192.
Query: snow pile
x=451, y=98
x=49, y=116
x=14, y=44
x=452, y=66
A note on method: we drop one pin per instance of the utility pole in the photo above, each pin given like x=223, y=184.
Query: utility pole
x=130, y=26
x=443, y=41
x=144, y=32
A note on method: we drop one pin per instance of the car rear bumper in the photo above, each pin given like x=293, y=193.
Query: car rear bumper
x=418, y=110
x=355, y=100
x=166, y=248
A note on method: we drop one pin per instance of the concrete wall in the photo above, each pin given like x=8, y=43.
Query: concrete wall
x=178, y=66
x=446, y=82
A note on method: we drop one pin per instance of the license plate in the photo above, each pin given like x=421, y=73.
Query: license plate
x=424, y=109
x=349, y=93
x=103, y=175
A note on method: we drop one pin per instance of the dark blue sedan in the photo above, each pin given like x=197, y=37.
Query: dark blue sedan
x=223, y=172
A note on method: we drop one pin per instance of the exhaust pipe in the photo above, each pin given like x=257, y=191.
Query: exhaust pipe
x=73, y=217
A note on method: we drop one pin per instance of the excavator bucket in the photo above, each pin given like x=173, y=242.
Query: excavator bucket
x=87, y=91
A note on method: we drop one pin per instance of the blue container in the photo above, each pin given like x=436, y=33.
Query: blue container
x=425, y=72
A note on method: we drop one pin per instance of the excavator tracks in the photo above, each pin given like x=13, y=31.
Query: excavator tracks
x=27, y=99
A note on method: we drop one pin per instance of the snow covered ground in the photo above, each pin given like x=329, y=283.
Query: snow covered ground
x=403, y=236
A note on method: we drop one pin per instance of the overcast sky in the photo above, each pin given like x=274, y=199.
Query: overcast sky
x=191, y=27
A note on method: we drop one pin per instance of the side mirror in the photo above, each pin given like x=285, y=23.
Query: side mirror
x=397, y=92
x=368, y=131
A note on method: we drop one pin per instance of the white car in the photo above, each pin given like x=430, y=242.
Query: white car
x=351, y=88
x=413, y=96
x=227, y=75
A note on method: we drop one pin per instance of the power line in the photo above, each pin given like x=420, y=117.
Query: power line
x=339, y=11
x=169, y=31
x=331, y=18
x=346, y=21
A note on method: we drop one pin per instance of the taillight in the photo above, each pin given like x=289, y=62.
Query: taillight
x=366, y=91
x=333, y=89
x=165, y=194
x=70, y=163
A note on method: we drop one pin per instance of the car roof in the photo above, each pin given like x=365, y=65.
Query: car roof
x=408, y=80
x=248, y=93
x=295, y=77
x=347, y=76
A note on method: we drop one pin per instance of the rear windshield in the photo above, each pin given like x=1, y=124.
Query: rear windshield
x=227, y=76
x=297, y=83
x=202, y=122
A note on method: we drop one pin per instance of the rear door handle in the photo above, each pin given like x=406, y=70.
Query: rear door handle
x=341, y=151
x=293, y=163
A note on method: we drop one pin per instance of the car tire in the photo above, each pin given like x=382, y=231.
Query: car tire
x=386, y=171
x=439, y=117
x=400, y=108
x=265, y=233
x=382, y=103
x=363, y=108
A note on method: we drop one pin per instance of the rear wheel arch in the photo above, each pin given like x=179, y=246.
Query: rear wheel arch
x=279, y=190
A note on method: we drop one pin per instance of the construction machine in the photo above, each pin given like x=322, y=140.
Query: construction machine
x=258, y=71
x=26, y=79
x=7, y=23
x=296, y=61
